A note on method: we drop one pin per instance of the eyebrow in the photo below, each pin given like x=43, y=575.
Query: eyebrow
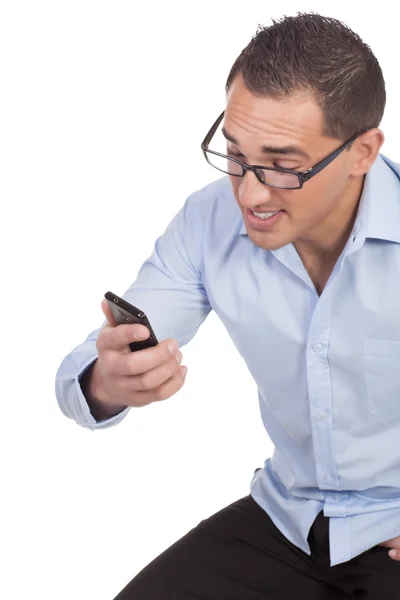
x=271, y=149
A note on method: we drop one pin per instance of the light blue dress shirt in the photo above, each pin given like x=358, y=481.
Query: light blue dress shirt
x=327, y=367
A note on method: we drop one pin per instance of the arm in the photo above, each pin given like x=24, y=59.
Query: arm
x=91, y=388
x=169, y=290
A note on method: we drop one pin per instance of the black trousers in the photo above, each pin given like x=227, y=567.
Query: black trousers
x=239, y=554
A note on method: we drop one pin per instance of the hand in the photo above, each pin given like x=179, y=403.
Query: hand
x=394, y=544
x=122, y=378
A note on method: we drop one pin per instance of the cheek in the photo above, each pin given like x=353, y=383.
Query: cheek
x=235, y=183
x=315, y=198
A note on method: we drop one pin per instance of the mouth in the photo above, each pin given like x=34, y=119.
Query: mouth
x=263, y=221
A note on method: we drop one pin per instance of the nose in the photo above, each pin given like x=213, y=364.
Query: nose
x=251, y=192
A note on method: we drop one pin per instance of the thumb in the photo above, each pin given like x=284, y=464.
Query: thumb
x=107, y=313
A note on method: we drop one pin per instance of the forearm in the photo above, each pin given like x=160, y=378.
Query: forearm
x=93, y=391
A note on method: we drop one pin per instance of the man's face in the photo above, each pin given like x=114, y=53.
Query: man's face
x=308, y=213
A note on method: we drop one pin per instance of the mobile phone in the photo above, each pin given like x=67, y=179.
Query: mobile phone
x=123, y=312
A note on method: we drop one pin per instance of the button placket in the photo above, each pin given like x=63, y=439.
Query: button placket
x=320, y=392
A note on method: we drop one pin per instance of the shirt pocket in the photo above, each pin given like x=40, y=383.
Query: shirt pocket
x=382, y=377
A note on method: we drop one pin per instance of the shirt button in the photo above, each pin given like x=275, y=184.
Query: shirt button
x=327, y=477
x=321, y=416
x=317, y=347
x=336, y=497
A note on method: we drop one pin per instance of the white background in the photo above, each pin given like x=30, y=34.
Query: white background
x=103, y=109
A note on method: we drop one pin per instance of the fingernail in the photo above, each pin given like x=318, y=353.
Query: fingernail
x=140, y=333
x=184, y=371
x=173, y=346
x=179, y=357
x=392, y=553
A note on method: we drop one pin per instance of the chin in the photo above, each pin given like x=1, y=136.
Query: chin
x=268, y=241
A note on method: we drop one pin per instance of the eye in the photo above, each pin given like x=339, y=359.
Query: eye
x=235, y=154
x=288, y=167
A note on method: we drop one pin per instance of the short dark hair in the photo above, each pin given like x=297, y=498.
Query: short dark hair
x=319, y=55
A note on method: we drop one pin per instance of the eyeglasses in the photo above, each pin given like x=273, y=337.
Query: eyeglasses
x=284, y=179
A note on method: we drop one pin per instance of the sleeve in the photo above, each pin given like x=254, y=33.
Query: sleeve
x=168, y=288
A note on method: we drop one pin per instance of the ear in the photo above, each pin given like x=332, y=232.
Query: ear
x=365, y=151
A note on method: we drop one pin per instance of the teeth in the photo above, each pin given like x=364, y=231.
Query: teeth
x=266, y=215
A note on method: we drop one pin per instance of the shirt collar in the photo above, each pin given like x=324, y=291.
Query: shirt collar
x=379, y=210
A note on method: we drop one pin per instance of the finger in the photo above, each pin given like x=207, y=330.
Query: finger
x=165, y=391
x=143, y=361
x=154, y=378
x=107, y=313
x=395, y=554
x=119, y=337
x=392, y=543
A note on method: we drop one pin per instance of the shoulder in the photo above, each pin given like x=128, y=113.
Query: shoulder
x=215, y=206
x=212, y=192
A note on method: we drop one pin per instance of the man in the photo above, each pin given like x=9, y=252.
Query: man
x=297, y=249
